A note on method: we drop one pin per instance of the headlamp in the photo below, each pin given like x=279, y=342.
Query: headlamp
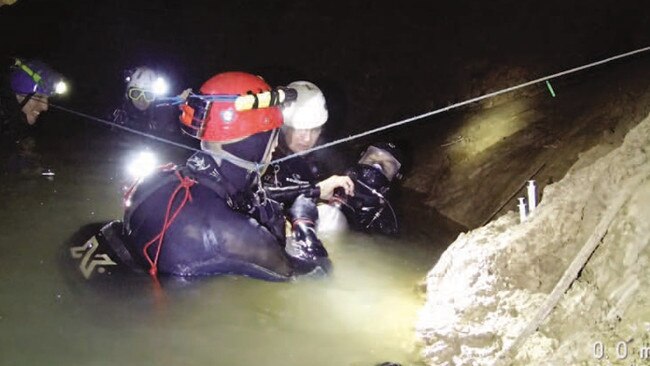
x=142, y=165
x=60, y=87
x=160, y=86
x=228, y=115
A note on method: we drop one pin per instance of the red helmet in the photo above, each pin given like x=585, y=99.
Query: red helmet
x=212, y=116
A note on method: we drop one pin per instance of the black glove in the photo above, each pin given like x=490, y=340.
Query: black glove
x=304, y=246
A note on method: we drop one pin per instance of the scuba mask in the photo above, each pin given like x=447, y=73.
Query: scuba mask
x=383, y=157
x=370, y=177
x=369, y=207
x=141, y=98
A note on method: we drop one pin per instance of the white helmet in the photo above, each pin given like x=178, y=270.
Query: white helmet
x=142, y=77
x=143, y=85
x=308, y=110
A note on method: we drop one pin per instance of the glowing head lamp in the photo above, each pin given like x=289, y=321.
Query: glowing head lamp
x=60, y=87
x=142, y=165
x=160, y=86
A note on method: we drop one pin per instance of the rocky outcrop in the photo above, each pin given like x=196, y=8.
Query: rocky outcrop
x=490, y=282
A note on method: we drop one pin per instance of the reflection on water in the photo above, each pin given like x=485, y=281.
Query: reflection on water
x=362, y=314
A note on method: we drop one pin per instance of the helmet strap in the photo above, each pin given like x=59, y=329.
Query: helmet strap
x=26, y=100
x=266, y=158
x=222, y=154
x=243, y=163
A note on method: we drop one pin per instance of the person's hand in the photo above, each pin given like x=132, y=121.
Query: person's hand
x=328, y=186
x=185, y=94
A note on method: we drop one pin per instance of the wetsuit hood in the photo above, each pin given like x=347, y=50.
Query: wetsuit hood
x=12, y=121
x=239, y=163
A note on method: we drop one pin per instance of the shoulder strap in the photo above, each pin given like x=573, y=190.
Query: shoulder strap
x=219, y=186
x=134, y=205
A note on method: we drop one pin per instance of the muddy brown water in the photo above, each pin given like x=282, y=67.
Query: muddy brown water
x=362, y=314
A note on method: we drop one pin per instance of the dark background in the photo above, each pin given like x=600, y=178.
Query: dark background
x=376, y=62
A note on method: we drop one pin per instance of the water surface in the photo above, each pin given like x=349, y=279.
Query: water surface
x=362, y=314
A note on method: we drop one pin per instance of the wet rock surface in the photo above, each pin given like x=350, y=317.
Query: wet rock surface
x=473, y=172
x=491, y=281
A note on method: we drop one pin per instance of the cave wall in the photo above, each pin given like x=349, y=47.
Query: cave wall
x=491, y=281
x=477, y=168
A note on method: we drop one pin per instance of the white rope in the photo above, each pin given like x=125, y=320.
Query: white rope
x=456, y=105
x=389, y=126
x=124, y=128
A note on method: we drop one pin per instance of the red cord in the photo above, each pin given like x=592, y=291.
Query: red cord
x=185, y=183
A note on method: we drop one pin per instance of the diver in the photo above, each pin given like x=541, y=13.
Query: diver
x=212, y=216
x=145, y=90
x=303, y=124
x=24, y=95
x=369, y=210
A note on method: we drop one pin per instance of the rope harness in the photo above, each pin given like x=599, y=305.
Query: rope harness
x=185, y=183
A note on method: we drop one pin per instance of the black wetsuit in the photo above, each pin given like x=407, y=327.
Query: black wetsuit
x=369, y=209
x=303, y=169
x=17, y=146
x=299, y=175
x=219, y=230
x=161, y=123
